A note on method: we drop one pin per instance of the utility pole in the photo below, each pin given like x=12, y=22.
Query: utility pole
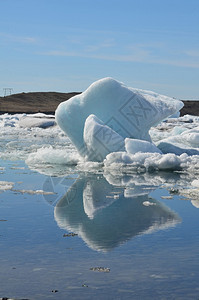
x=7, y=91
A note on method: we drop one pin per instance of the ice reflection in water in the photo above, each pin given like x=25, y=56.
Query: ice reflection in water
x=105, y=215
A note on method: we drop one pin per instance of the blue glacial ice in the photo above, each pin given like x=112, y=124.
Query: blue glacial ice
x=98, y=120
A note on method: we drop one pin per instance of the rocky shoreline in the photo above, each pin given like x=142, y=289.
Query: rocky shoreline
x=47, y=102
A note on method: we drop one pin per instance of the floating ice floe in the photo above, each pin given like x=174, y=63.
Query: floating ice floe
x=98, y=120
x=6, y=185
x=36, y=120
x=34, y=192
x=186, y=141
x=39, y=120
x=192, y=193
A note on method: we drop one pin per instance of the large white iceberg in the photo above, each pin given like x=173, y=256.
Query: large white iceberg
x=120, y=112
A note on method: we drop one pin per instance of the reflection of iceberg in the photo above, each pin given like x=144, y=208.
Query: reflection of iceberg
x=135, y=185
x=101, y=215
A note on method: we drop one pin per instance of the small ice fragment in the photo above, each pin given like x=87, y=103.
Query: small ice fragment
x=147, y=203
x=100, y=269
x=5, y=185
x=195, y=183
x=34, y=192
x=166, y=197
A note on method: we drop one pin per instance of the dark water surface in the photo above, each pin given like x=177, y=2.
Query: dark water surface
x=95, y=237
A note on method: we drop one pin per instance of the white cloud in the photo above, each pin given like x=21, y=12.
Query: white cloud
x=106, y=44
x=142, y=56
x=19, y=39
x=192, y=53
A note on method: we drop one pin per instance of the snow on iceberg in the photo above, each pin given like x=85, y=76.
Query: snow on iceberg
x=128, y=112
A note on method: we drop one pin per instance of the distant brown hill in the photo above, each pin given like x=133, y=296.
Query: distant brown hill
x=47, y=102
x=190, y=108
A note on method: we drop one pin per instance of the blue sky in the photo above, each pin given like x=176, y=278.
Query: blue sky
x=63, y=46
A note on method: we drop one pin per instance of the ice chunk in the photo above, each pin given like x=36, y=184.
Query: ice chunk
x=129, y=112
x=27, y=120
x=192, y=193
x=195, y=203
x=186, y=142
x=133, y=146
x=195, y=183
x=5, y=185
x=46, y=155
x=146, y=161
x=36, y=121
x=34, y=192
x=192, y=138
x=100, y=139
x=178, y=149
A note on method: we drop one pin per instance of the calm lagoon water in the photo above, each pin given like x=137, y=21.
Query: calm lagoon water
x=85, y=236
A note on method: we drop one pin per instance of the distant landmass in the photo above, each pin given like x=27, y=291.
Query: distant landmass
x=191, y=107
x=47, y=102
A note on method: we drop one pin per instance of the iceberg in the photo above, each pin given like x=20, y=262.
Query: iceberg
x=98, y=120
